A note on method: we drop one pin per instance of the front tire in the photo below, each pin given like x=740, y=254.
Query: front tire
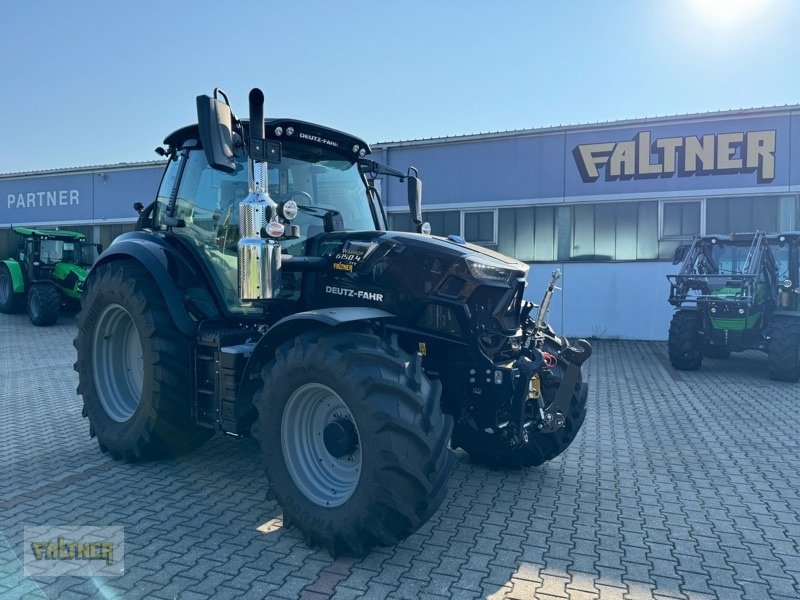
x=684, y=341
x=784, y=350
x=44, y=304
x=354, y=440
x=10, y=303
x=133, y=367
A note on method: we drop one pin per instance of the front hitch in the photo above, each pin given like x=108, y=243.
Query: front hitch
x=574, y=357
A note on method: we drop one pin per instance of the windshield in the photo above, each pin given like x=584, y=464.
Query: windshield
x=318, y=180
x=781, y=254
x=720, y=259
x=51, y=251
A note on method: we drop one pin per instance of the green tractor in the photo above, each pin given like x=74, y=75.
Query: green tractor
x=734, y=293
x=262, y=295
x=47, y=273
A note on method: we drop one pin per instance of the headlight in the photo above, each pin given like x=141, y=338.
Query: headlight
x=487, y=269
x=787, y=283
x=288, y=210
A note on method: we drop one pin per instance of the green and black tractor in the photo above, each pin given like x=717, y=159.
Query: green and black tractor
x=734, y=293
x=47, y=273
x=263, y=295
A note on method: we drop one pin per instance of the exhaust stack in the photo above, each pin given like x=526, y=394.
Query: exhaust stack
x=259, y=260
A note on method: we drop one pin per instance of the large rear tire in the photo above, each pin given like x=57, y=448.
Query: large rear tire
x=133, y=367
x=494, y=452
x=354, y=440
x=10, y=303
x=685, y=352
x=44, y=304
x=784, y=350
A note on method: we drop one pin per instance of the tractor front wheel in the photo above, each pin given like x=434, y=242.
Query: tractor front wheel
x=354, y=440
x=133, y=367
x=10, y=302
x=784, y=350
x=684, y=348
x=44, y=304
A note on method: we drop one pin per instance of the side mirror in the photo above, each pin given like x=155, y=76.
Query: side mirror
x=680, y=254
x=215, y=122
x=415, y=197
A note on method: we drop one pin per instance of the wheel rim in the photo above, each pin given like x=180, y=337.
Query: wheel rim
x=34, y=305
x=321, y=446
x=5, y=288
x=117, y=363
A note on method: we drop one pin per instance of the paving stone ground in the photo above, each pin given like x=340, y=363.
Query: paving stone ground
x=680, y=485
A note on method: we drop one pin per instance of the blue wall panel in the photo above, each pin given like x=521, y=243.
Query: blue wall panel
x=481, y=171
x=116, y=191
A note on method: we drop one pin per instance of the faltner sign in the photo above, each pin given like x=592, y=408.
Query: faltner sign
x=712, y=154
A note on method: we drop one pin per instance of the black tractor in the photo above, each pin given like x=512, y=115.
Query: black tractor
x=734, y=293
x=262, y=295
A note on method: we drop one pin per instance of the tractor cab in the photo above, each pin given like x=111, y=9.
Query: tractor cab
x=731, y=279
x=786, y=250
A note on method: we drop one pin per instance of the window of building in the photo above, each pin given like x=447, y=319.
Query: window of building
x=615, y=231
x=479, y=227
x=443, y=222
x=681, y=219
x=740, y=215
x=534, y=233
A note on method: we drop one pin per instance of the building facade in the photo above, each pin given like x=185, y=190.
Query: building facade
x=605, y=203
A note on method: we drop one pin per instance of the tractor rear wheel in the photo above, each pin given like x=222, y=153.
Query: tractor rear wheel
x=684, y=347
x=44, y=304
x=493, y=451
x=133, y=367
x=784, y=350
x=354, y=439
x=10, y=302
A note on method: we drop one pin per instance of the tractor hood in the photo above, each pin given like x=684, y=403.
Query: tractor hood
x=428, y=282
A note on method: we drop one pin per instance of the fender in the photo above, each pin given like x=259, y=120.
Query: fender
x=292, y=326
x=17, y=279
x=166, y=267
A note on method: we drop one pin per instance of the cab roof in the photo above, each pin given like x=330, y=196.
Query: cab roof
x=309, y=133
x=52, y=234
x=747, y=238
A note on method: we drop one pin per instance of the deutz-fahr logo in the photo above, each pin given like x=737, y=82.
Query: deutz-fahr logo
x=712, y=154
x=340, y=291
x=319, y=140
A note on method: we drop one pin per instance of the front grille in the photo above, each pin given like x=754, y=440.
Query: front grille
x=497, y=308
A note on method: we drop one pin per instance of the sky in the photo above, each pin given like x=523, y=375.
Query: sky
x=87, y=83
